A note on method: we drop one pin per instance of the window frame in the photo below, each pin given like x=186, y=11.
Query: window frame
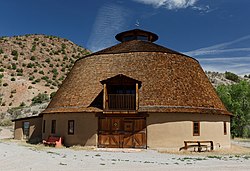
x=53, y=126
x=26, y=130
x=196, y=133
x=225, y=128
x=44, y=125
x=69, y=132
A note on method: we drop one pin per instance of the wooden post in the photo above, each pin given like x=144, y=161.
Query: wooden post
x=104, y=96
x=137, y=97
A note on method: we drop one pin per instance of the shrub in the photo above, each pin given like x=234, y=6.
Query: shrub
x=47, y=60
x=5, y=84
x=1, y=76
x=40, y=98
x=43, y=44
x=6, y=122
x=41, y=72
x=19, y=70
x=52, y=94
x=1, y=70
x=12, y=79
x=13, y=91
x=32, y=58
x=13, y=66
x=30, y=65
x=31, y=78
x=55, y=71
x=37, y=80
x=61, y=78
x=231, y=76
x=33, y=48
x=22, y=104
x=15, y=58
x=30, y=87
x=63, y=46
x=1, y=50
x=45, y=78
x=14, y=53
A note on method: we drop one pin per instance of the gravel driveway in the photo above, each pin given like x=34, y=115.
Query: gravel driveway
x=21, y=156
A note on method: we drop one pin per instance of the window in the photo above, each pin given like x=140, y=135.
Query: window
x=196, y=128
x=26, y=129
x=44, y=124
x=53, y=126
x=71, y=127
x=225, y=128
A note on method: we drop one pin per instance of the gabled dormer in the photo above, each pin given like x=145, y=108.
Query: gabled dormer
x=120, y=93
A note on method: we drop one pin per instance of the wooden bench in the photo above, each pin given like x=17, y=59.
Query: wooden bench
x=55, y=141
x=198, y=144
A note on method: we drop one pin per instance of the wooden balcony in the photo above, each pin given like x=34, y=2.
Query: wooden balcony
x=121, y=102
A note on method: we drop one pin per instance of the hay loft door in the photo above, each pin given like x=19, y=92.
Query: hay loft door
x=120, y=93
x=122, y=132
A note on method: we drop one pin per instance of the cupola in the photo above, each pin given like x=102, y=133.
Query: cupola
x=136, y=34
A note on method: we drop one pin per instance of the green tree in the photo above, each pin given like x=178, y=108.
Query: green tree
x=40, y=98
x=236, y=99
x=231, y=76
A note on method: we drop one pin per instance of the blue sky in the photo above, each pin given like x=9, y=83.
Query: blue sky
x=216, y=32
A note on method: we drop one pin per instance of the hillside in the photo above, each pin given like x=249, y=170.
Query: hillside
x=33, y=64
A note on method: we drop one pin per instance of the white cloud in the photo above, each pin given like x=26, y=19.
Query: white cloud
x=220, y=48
x=110, y=20
x=169, y=4
x=233, y=56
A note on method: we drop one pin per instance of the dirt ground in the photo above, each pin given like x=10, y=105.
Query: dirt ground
x=18, y=155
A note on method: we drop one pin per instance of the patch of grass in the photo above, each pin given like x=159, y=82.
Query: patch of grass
x=215, y=157
x=246, y=157
x=97, y=155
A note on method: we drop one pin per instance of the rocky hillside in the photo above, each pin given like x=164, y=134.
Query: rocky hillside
x=33, y=66
x=226, y=78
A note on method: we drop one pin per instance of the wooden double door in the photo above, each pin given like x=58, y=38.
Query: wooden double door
x=122, y=132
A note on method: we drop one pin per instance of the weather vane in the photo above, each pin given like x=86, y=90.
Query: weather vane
x=137, y=24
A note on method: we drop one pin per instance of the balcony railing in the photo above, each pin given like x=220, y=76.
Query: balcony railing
x=121, y=102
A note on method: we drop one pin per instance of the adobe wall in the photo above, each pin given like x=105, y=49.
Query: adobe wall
x=85, y=130
x=170, y=130
x=35, y=133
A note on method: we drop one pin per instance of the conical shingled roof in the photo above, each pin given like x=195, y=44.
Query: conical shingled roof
x=170, y=81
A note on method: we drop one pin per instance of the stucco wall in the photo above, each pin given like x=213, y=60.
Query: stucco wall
x=85, y=128
x=170, y=130
x=34, y=131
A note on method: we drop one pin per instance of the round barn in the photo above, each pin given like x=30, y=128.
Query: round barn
x=136, y=94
